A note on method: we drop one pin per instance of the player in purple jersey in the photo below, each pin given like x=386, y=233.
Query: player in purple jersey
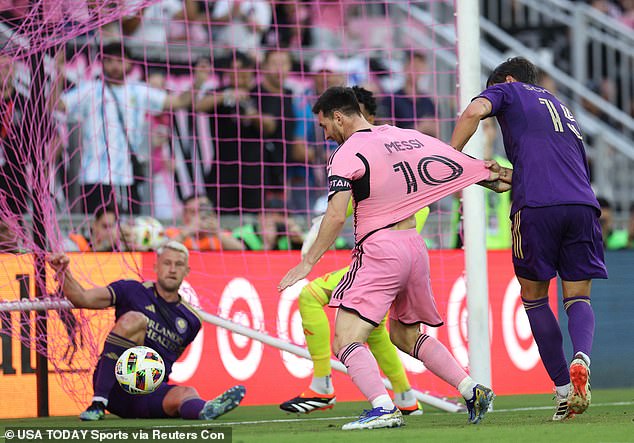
x=390, y=173
x=152, y=314
x=555, y=218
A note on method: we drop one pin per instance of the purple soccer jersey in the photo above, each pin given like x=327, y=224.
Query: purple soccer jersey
x=544, y=144
x=171, y=326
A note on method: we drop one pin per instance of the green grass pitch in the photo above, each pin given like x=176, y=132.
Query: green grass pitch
x=515, y=419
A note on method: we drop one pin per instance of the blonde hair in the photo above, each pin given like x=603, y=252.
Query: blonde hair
x=174, y=246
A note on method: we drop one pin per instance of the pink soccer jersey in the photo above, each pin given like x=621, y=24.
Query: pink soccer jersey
x=394, y=172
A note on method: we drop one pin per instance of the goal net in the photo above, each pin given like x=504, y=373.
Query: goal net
x=126, y=123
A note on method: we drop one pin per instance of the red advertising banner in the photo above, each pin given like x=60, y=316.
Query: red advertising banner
x=245, y=292
x=242, y=287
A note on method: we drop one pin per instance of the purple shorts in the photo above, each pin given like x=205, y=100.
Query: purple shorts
x=138, y=406
x=564, y=240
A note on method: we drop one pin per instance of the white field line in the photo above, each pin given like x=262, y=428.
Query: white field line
x=291, y=420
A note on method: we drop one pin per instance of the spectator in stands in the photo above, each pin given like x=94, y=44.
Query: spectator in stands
x=627, y=18
x=613, y=239
x=290, y=27
x=306, y=172
x=242, y=24
x=411, y=107
x=329, y=19
x=201, y=229
x=106, y=234
x=236, y=177
x=111, y=113
x=275, y=230
x=163, y=21
x=275, y=105
x=13, y=161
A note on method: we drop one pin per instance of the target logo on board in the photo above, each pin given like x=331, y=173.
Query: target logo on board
x=457, y=327
x=516, y=329
x=289, y=328
x=241, y=304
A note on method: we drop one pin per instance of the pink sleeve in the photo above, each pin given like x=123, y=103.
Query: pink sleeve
x=344, y=167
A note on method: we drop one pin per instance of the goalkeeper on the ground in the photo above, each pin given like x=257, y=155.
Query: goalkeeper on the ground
x=312, y=299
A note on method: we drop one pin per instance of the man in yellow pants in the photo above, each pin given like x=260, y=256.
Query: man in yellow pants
x=312, y=299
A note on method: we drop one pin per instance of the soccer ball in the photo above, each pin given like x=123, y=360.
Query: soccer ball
x=140, y=370
x=148, y=233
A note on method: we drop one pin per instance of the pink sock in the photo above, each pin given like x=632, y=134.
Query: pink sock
x=363, y=370
x=438, y=360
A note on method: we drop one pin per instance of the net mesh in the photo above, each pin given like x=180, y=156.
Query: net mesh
x=115, y=113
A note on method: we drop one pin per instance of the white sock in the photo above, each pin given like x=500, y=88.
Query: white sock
x=466, y=387
x=405, y=399
x=101, y=399
x=562, y=391
x=584, y=357
x=322, y=385
x=384, y=401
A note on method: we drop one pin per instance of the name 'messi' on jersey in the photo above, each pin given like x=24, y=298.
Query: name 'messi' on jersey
x=403, y=145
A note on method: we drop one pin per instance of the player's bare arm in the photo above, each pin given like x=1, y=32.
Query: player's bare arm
x=95, y=298
x=330, y=228
x=468, y=122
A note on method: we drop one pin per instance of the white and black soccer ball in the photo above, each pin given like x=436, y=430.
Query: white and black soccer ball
x=140, y=370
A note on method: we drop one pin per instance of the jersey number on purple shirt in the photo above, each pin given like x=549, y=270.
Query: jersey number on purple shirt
x=554, y=114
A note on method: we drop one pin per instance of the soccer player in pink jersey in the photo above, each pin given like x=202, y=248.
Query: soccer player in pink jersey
x=390, y=173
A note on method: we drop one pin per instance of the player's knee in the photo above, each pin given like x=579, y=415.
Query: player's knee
x=187, y=392
x=399, y=339
x=130, y=324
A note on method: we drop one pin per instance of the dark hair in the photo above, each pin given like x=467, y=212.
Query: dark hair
x=365, y=98
x=337, y=98
x=103, y=210
x=115, y=49
x=518, y=67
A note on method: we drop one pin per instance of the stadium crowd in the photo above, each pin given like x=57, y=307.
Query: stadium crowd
x=231, y=130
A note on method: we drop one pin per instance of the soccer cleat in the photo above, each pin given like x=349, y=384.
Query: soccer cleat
x=225, y=402
x=309, y=401
x=376, y=418
x=96, y=411
x=479, y=404
x=562, y=409
x=579, y=398
x=411, y=410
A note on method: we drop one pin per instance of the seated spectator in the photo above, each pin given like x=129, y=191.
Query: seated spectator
x=201, y=230
x=613, y=239
x=106, y=235
x=411, y=107
x=275, y=231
